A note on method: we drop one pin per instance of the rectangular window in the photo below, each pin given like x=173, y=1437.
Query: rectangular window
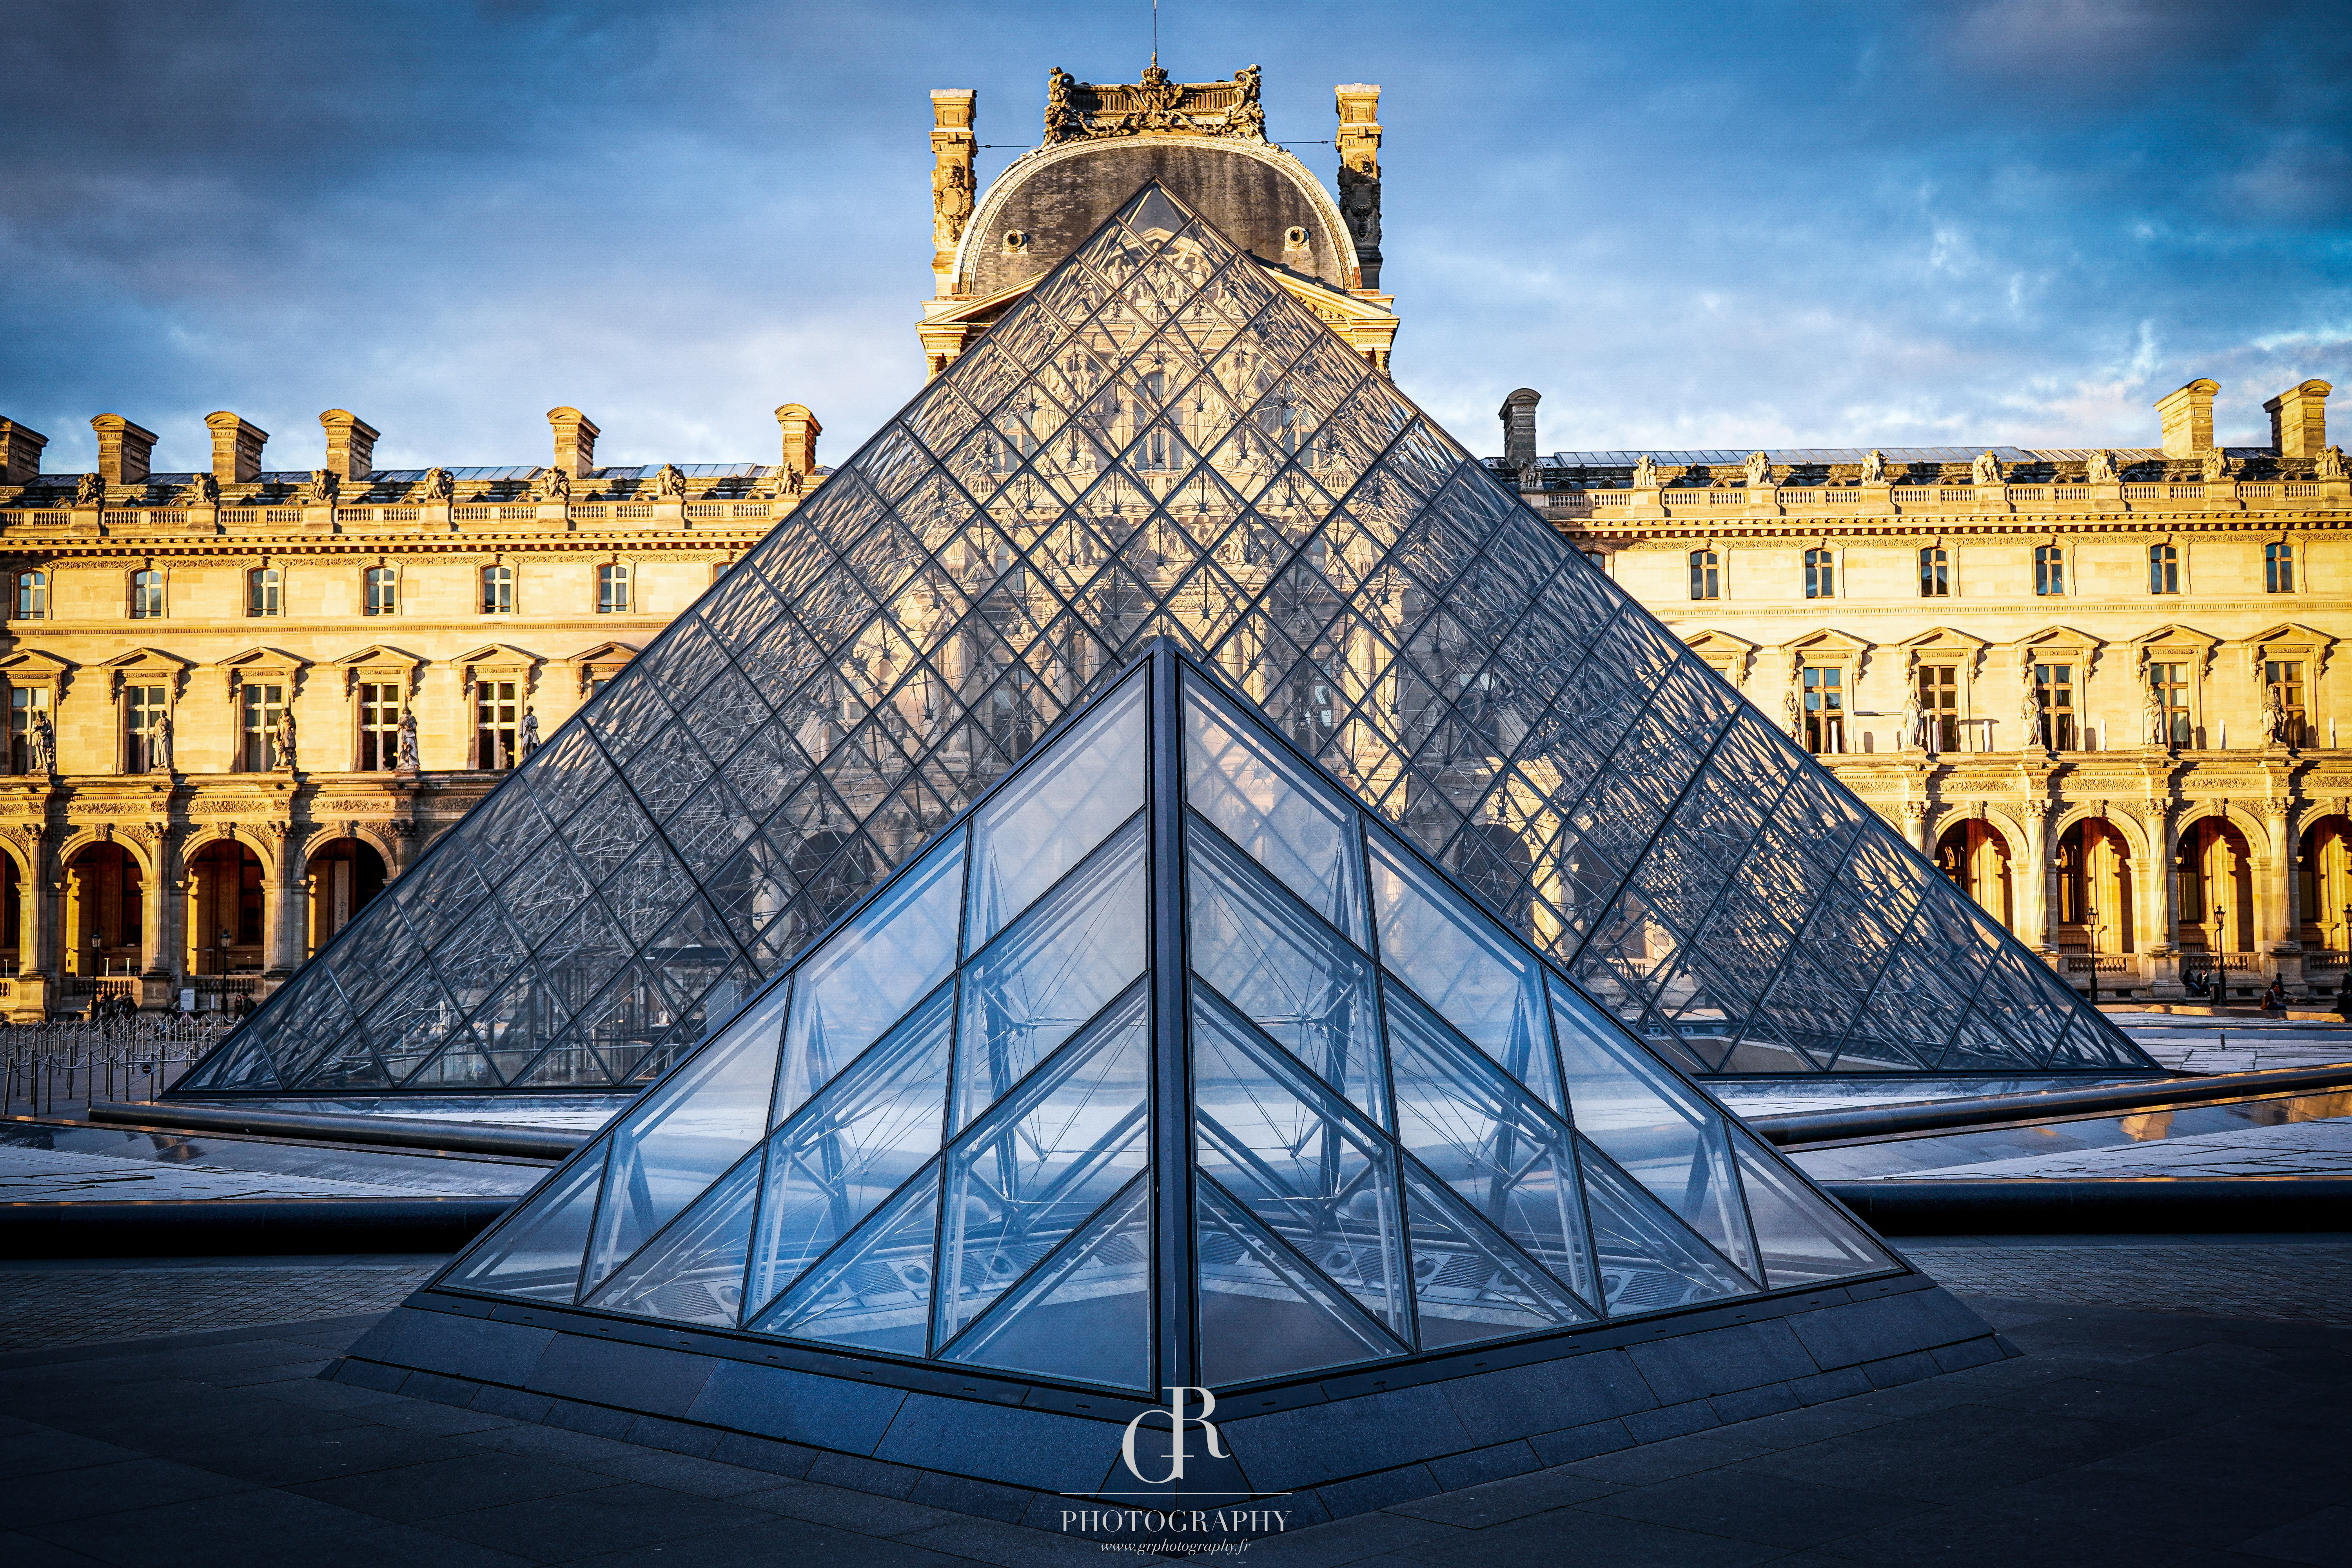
x=143, y=727
x=2049, y=570
x=1935, y=572
x=2054, y=689
x=611, y=590
x=1821, y=574
x=258, y=711
x=2278, y=568
x=1706, y=574
x=380, y=592
x=263, y=591
x=2283, y=695
x=1824, y=709
x=146, y=595
x=1940, y=705
x=32, y=595
x=379, y=726
x=2163, y=568
x=2171, y=684
x=24, y=703
x=498, y=590
x=498, y=724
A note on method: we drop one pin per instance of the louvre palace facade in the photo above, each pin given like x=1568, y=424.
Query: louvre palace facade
x=241, y=700
x=2102, y=690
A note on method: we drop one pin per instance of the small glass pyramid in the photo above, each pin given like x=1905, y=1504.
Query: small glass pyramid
x=1159, y=441
x=983, y=1124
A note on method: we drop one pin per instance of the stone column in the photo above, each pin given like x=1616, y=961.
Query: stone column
x=2279, y=900
x=281, y=930
x=1915, y=825
x=156, y=978
x=2034, y=877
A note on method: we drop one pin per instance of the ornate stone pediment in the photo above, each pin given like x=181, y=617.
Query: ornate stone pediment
x=1081, y=110
x=379, y=663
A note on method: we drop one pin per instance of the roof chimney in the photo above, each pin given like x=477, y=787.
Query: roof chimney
x=1519, y=417
x=236, y=447
x=123, y=450
x=2299, y=420
x=1358, y=141
x=21, y=450
x=350, y=445
x=576, y=441
x=800, y=430
x=2188, y=417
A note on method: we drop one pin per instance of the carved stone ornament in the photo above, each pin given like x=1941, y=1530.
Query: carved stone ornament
x=322, y=489
x=1986, y=469
x=1874, y=469
x=951, y=197
x=2330, y=465
x=2159, y=728
x=2216, y=465
x=1359, y=204
x=1759, y=471
x=1080, y=110
x=436, y=486
x=89, y=490
x=203, y=490
x=554, y=487
x=670, y=484
x=1645, y=473
x=2101, y=470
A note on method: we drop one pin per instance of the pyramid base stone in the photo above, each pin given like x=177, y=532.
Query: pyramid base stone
x=1311, y=1451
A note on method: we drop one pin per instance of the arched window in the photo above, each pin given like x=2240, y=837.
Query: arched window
x=498, y=590
x=32, y=595
x=1935, y=572
x=147, y=595
x=1706, y=574
x=265, y=591
x=613, y=589
x=1821, y=574
x=2163, y=568
x=2049, y=570
x=379, y=593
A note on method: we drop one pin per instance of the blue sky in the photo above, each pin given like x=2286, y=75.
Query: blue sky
x=1722, y=226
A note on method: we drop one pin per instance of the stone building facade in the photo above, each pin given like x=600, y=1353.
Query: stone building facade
x=240, y=700
x=2104, y=690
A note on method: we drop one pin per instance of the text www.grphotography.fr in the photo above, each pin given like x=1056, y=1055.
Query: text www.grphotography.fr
x=1189, y=1530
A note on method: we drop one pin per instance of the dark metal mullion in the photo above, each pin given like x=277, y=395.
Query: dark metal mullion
x=1176, y=1352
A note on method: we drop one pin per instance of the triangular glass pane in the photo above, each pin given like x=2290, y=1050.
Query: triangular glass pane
x=685, y=1133
x=1805, y=1240
x=866, y=977
x=693, y=1272
x=1051, y=972
x=853, y=1146
x=1316, y=1177
x=1664, y=1135
x=1041, y=1160
x=1285, y=971
x=1040, y=825
x=1084, y=1314
x=1263, y=800
x=1469, y=1283
x=1650, y=1261
x=535, y=1251
x=1264, y=1313
x=875, y=1291
x=1454, y=960
x=1504, y=1155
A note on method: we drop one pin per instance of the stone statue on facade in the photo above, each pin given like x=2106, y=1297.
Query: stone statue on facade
x=159, y=746
x=2277, y=727
x=437, y=486
x=785, y=483
x=670, y=484
x=2101, y=470
x=2159, y=722
x=1987, y=469
x=408, y=740
x=1792, y=714
x=2330, y=464
x=1759, y=471
x=1915, y=722
x=527, y=740
x=322, y=488
x=89, y=490
x=2029, y=714
x=1062, y=118
x=1247, y=118
x=203, y=490
x=1645, y=473
x=554, y=487
x=1873, y=467
x=282, y=740
x=41, y=742
x=2216, y=465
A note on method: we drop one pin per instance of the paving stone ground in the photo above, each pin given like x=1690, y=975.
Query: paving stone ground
x=58, y=1303
x=2123, y=1437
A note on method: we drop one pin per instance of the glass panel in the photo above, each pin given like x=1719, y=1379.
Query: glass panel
x=1805, y=1240
x=1296, y=1161
x=535, y=1253
x=693, y=1272
x=1085, y=1315
x=1480, y=1134
x=1263, y=1312
x=685, y=1133
x=875, y=1291
x=865, y=978
x=1286, y=971
x=1649, y=1261
x=1469, y=1283
x=1270, y=805
x=1454, y=960
x=1043, y=1160
x=1650, y=1124
x=1052, y=972
x=1043, y=822
x=853, y=1146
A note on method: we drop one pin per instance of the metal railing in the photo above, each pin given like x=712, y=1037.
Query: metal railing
x=43, y=1066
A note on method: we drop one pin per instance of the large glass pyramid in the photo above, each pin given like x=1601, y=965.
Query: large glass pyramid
x=1159, y=441
x=1166, y=1065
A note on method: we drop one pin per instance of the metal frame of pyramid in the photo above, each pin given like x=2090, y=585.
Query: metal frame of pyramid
x=1157, y=441
x=1164, y=1065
